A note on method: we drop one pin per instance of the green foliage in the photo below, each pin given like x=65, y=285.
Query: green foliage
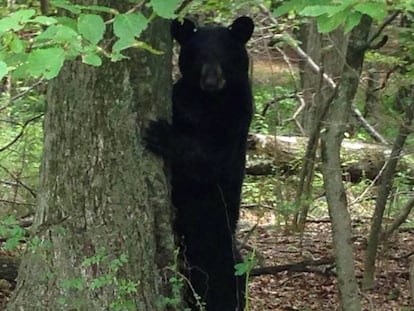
x=123, y=289
x=21, y=142
x=273, y=117
x=249, y=261
x=165, y=8
x=91, y=27
x=11, y=230
x=177, y=285
x=331, y=14
x=260, y=190
x=82, y=33
x=224, y=11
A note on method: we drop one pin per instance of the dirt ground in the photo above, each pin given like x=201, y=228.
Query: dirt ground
x=317, y=290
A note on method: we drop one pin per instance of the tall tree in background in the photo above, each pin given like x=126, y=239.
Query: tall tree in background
x=103, y=217
x=331, y=139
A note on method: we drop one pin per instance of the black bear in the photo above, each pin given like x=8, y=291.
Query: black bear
x=206, y=147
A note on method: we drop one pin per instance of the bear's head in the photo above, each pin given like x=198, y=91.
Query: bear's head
x=213, y=57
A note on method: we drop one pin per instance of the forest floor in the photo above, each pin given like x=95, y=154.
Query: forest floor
x=316, y=289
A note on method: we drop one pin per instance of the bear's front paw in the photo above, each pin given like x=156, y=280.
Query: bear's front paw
x=157, y=137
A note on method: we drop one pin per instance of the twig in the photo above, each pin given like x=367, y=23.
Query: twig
x=372, y=184
x=387, y=77
x=401, y=218
x=376, y=34
x=289, y=40
x=135, y=8
x=18, y=181
x=21, y=132
x=275, y=100
x=182, y=6
x=17, y=203
x=368, y=127
x=369, y=299
x=17, y=96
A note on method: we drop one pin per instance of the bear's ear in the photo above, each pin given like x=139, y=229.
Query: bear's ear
x=242, y=28
x=182, y=31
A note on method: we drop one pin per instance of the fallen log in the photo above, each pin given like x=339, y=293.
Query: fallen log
x=267, y=153
x=303, y=266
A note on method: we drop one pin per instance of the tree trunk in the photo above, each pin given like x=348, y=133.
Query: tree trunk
x=384, y=190
x=311, y=82
x=331, y=139
x=102, y=196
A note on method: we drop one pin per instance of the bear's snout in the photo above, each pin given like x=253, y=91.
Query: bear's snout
x=212, y=78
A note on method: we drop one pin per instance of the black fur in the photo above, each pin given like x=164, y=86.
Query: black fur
x=206, y=147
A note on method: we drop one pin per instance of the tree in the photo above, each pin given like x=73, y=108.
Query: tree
x=102, y=237
x=331, y=139
x=334, y=113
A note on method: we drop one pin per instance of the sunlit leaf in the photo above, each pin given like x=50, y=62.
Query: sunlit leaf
x=123, y=43
x=328, y=23
x=46, y=62
x=129, y=25
x=165, y=8
x=92, y=59
x=376, y=10
x=44, y=20
x=66, y=5
x=351, y=21
x=91, y=27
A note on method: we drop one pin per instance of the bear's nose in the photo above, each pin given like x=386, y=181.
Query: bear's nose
x=212, y=78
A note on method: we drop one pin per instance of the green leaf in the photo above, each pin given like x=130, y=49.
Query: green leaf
x=315, y=10
x=3, y=69
x=17, y=45
x=12, y=243
x=123, y=43
x=9, y=220
x=66, y=5
x=92, y=59
x=287, y=7
x=22, y=16
x=376, y=10
x=328, y=23
x=129, y=25
x=8, y=23
x=351, y=21
x=296, y=5
x=67, y=21
x=44, y=20
x=16, y=21
x=165, y=8
x=91, y=27
x=46, y=62
x=76, y=283
x=58, y=33
x=100, y=8
x=117, y=56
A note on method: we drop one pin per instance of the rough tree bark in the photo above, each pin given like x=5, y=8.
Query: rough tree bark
x=331, y=139
x=101, y=192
